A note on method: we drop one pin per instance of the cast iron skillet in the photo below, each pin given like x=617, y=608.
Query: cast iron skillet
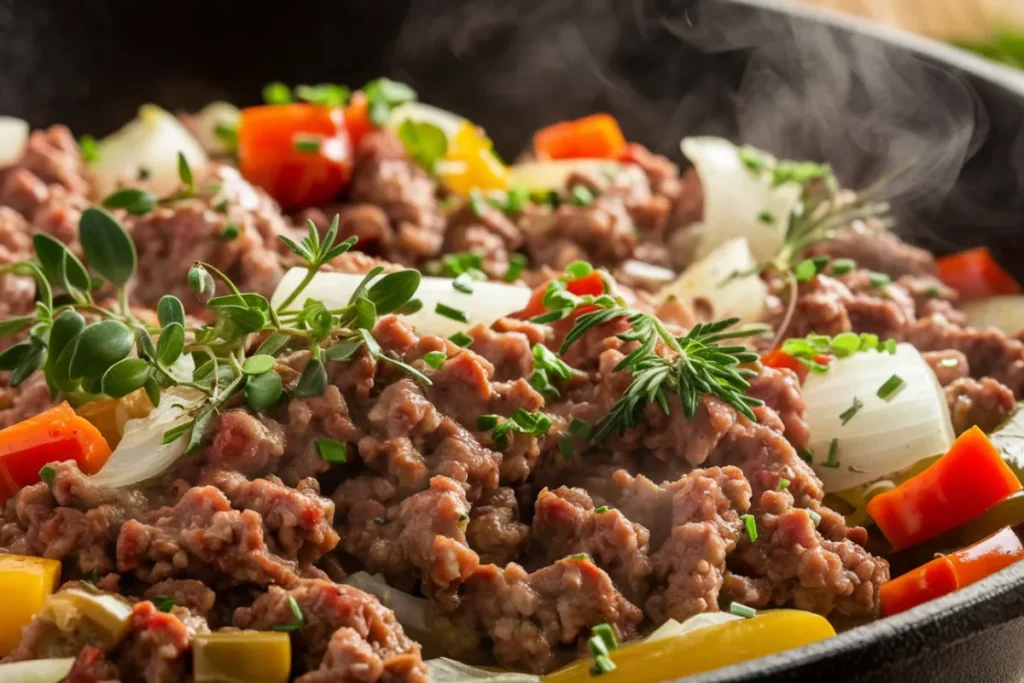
x=800, y=83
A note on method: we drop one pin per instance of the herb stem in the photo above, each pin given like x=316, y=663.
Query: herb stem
x=310, y=274
x=791, y=287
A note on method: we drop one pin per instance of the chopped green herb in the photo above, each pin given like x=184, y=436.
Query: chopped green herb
x=383, y=95
x=89, y=148
x=889, y=346
x=307, y=144
x=486, y=422
x=516, y=199
x=463, y=283
x=545, y=198
x=878, y=280
x=325, y=94
x=229, y=232
x=227, y=134
x=805, y=270
x=516, y=263
x=751, y=524
x=452, y=313
x=891, y=387
x=848, y=414
x=606, y=634
x=582, y=195
x=425, y=143
x=164, y=603
x=463, y=517
x=782, y=485
x=565, y=446
x=742, y=611
x=580, y=428
x=815, y=517
x=766, y=217
x=461, y=339
x=477, y=203
x=932, y=292
x=601, y=510
x=578, y=270
x=330, y=450
x=842, y=266
x=833, y=455
x=48, y=474
x=298, y=620
x=435, y=359
x=277, y=93
x=602, y=641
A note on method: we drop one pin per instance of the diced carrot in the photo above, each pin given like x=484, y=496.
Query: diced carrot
x=959, y=486
x=927, y=582
x=54, y=435
x=299, y=153
x=975, y=274
x=593, y=137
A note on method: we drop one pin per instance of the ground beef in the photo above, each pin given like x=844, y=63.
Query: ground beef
x=91, y=666
x=171, y=238
x=875, y=248
x=828, y=305
x=780, y=390
x=602, y=233
x=29, y=398
x=326, y=609
x=17, y=293
x=189, y=593
x=495, y=532
x=984, y=403
x=948, y=366
x=483, y=229
x=536, y=620
x=384, y=177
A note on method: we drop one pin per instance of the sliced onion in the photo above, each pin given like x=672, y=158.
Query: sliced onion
x=710, y=284
x=141, y=454
x=735, y=198
x=208, y=118
x=647, y=271
x=1004, y=312
x=410, y=611
x=488, y=302
x=882, y=437
x=448, y=122
x=13, y=138
x=674, y=629
x=36, y=670
x=444, y=670
x=538, y=176
x=145, y=153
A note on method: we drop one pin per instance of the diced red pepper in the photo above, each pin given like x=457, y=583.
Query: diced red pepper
x=593, y=137
x=357, y=118
x=55, y=435
x=959, y=486
x=299, y=153
x=592, y=284
x=974, y=274
x=777, y=359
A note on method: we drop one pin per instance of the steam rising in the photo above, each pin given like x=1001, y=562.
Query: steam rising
x=668, y=69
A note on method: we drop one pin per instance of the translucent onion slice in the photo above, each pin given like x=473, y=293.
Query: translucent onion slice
x=36, y=670
x=13, y=138
x=538, y=176
x=410, y=611
x=738, y=200
x=710, y=287
x=208, y=118
x=1004, y=312
x=444, y=670
x=488, y=302
x=884, y=436
x=141, y=454
x=144, y=153
x=674, y=629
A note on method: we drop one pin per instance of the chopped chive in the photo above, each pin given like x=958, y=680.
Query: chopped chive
x=805, y=455
x=601, y=510
x=892, y=385
x=463, y=517
x=477, y=203
x=486, y=422
x=435, y=359
x=878, y=280
x=164, y=603
x=848, y=414
x=307, y=145
x=815, y=517
x=452, y=313
x=766, y=217
x=606, y=634
x=229, y=232
x=277, y=93
x=298, y=620
x=565, y=446
x=805, y=270
x=330, y=450
x=833, y=455
x=783, y=484
x=580, y=428
x=931, y=292
x=461, y=339
x=742, y=611
x=48, y=474
x=463, y=283
x=516, y=263
x=90, y=149
x=889, y=346
x=949, y=362
x=842, y=266
x=751, y=524
x=582, y=195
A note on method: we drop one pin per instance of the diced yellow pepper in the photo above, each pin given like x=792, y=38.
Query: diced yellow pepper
x=109, y=415
x=704, y=649
x=107, y=616
x=471, y=163
x=242, y=657
x=25, y=582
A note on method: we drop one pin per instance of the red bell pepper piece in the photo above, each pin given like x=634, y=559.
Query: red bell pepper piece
x=962, y=484
x=357, y=118
x=54, y=435
x=592, y=284
x=299, y=153
x=777, y=359
x=948, y=573
x=593, y=137
x=975, y=274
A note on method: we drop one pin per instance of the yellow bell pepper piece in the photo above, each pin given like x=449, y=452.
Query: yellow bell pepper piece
x=25, y=582
x=705, y=649
x=109, y=415
x=242, y=657
x=107, y=616
x=471, y=163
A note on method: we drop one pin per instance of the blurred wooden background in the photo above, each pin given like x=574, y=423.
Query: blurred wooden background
x=950, y=20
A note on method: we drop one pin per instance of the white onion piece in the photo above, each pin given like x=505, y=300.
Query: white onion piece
x=551, y=175
x=444, y=670
x=448, y=122
x=488, y=302
x=410, y=611
x=1004, y=312
x=208, y=118
x=150, y=142
x=883, y=436
x=647, y=271
x=141, y=454
x=674, y=629
x=735, y=197
x=709, y=283
x=13, y=138
x=36, y=670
